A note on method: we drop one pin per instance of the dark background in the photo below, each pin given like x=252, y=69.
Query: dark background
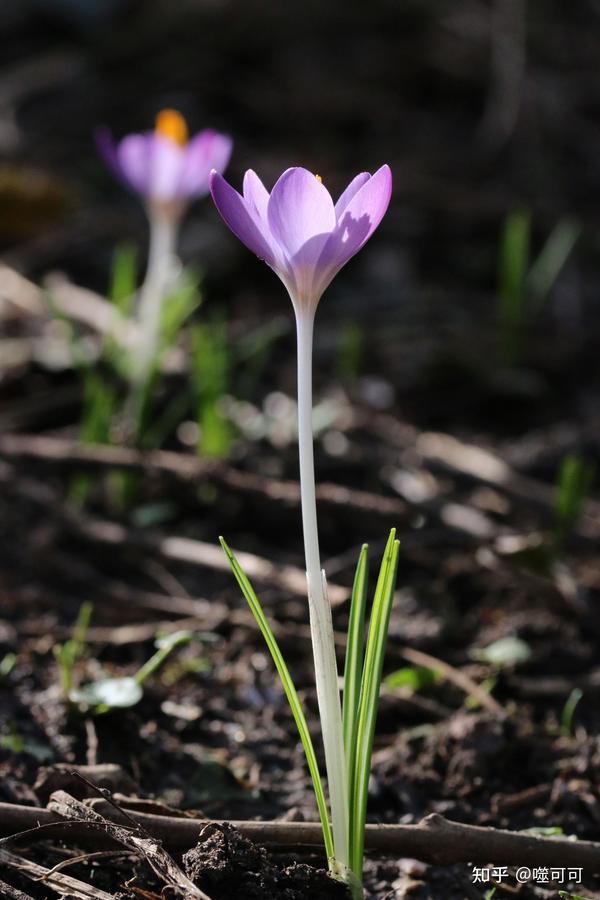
x=479, y=108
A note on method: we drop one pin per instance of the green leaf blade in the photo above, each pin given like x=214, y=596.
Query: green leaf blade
x=369, y=698
x=290, y=693
x=354, y=663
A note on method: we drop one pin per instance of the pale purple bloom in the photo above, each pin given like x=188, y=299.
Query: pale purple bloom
x=298, y=230
x=164, y=167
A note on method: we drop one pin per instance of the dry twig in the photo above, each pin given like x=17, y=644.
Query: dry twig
x=12, y=893
x=457, y=677
x=434, y=839
x=62, y=884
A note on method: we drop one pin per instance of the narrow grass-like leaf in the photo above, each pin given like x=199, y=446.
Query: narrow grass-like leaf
x=512, y=295
x=165, y=647
x=514, y=259
x=290, y=693
x=552, y=259
x=211, y=376
x=123, y=279
x=575, y=480
x=369, y=699
x=354, y=663
x=566, y=720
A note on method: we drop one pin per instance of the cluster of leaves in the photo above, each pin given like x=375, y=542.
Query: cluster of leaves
x=111, y=413
x=365, y=652
x=117, y=410
x=524, y=286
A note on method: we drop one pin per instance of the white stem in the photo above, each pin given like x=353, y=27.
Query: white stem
x=161, y=255
x=326, y=674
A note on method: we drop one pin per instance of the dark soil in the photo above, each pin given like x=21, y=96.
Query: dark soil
x=336, y=89
x=228, y=865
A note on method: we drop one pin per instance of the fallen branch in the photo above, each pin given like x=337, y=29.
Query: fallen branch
x=65, y=885
x=434, y=840
x=13, y=893
x=172, y=548
x=140, y=843
x=188, y=469
x=18, y=295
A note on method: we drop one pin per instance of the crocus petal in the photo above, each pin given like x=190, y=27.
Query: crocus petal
x=296, y=230
x=357, y=223
x=256, y=193
x=205, y=152
x=354, y=186
x=242, y=218
x=166, y=168
x=300, y=214
x=134, y=158
x=301, y=217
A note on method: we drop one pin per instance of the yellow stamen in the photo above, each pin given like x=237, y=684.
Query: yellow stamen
x=319, y=179
x=171, y=124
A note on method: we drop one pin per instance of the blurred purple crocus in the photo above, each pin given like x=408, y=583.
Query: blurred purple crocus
x=306, y=239
x=298, y=230
x=168, y=170
x=163, y=166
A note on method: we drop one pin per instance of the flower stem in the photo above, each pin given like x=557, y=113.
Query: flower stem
x=161, y=255
x=321, y=624
x=163, y=235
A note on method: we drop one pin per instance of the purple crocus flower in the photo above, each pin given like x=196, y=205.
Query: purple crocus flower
x=298, y=230
x=165, y=167
x=168, y=170
x=306, y=239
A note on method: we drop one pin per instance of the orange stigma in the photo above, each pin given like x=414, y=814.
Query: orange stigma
x=171, y=125
x=319, y=179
